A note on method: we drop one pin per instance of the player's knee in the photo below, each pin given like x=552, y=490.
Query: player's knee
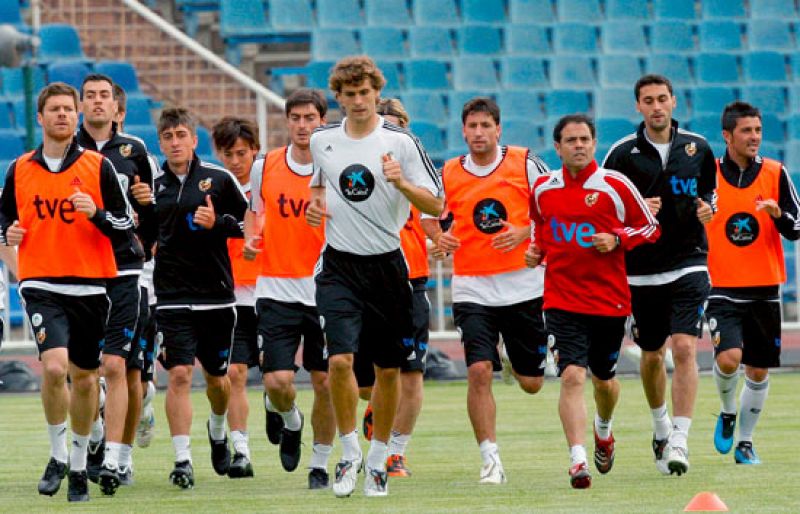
x=180, y=377
x=728, y=361
x=573, y=376
x=411, y=384
x=55, y=371
x=114, y=368
x=683, y=349
x=480, y=374
x=654, y=359
x=84, y=382
x=218, y=383
x=278, y=384
x=319, y=382
x=340, y=364
x=530, y=385
x=757, y=374
x=237, y=374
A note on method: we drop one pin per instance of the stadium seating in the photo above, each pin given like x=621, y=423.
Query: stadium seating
x=431, y=136
x=387, y=12
x=71, y=73
x=479, y=40
x=716, y=35
x=575, y=38
x=383, y=42
x=575, y=72
x=675, y=66
x=683, y=10
x=672, y=36
x=483, y=11
x=777, y=9
x=10, y=13
x=523, y=72
x=339, y=13
x=626, y=10
x=560, y=102
x=428, y=42
x=426, y=74
x=59, y=42
x=723, y=9
x=138, y=111
x=528, y=39
x=474, y=73
x=618, y=70
x=579, y=10
x=611, y=130
x=770, y=99
x=291, y=15
x=391, y=72
x=10, y=145
x=615, y=103
x=764, y=67
x=436, y=12
x=333, y=44
x=717, y=68
x=531, y=11
x=623, y=37
x=770, y=35
x=711, y=100
x=521, y=133
x=12, y=81
x=425, y=106
x=122, y=73
x=519, y=104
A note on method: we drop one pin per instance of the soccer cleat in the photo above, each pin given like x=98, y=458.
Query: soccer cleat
x=78, y=488
x=659, y=449
x=220, y=453
x=108, y=480
x=54, y=473
x=274, y=424
x=745, y=453
x=396, y=466
x=366, y=425
x=95, y=455
x=723, y=432
x=240, y=467
x=345, y=477
x=182, y=475
x=376, y=483
x=579, y=476
x=290, y=446
x=493, y=473
x=146, y=427
x=677, y=458
x=125, y=475
x=318, y=479
x=604, y=453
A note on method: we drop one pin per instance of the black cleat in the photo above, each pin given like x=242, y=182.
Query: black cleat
x=240, y=467
x=95, y=455
x=108, y=480
x=318, y=479
x=125, y=475
x=274, y=424
x=183, y=475
x=78, y=490
x=220, y=453
x=290, y=446
x=54, y=473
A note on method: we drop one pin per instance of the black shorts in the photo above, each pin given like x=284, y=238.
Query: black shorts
x=663, y=310
x=125, y=297
x=245, y=337
x=584, y=340
x=76, y=323
x=521, y=326
x=754, y=327
x=146, y=334
x=365, y=305
x=185, y=333
x=281, y=326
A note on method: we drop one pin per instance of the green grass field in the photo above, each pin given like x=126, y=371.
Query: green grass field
x=445, y=461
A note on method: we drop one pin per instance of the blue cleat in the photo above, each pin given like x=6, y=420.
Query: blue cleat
x=723, y=432
x=745, y=453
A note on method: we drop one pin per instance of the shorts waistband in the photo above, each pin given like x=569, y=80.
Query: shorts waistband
x=333, y=252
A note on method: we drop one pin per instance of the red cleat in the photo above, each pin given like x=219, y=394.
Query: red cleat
x=579, y=476
x=604, y=453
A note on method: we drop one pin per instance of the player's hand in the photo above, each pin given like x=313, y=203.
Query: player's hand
x=533, y=256
x=205, y=216
x=83, y=203
x=654, y=204
x=448, y=243
x=393, y=172
x=704, y=212
x=14, y=234
x=141, y=192
x=769, y=205
x=252, y=247
x=316, y=212
x=604, y=242
x=434, y=249
x=511, y=238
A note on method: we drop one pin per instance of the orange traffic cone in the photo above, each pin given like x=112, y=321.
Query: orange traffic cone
x=706, y=502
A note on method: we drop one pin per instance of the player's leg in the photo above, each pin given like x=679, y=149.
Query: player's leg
x=725, y=324
x=522, y=328
x=323, y=422
x=243, y=355
x=131, y=423
x=147, y=338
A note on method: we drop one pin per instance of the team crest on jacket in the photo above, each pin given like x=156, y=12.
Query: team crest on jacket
x=126, y=150
x=591, y=198
x=691, y=149
x=204, y=185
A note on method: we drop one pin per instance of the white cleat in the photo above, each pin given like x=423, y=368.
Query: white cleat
x=493, y=473
x=146, y=427
x=346, y=476
x=375, y=482
x=677, y=458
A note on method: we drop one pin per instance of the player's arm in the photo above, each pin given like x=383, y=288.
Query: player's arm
x=8, y=254
x=254, y=216
x=421, y=198
x=143, y=201
x=640, y=225
x=229, y=213
x=415, y=176
x=788, y=208
x=8, y=208
x=116, y=214
x=536, y=250
x=707, y=183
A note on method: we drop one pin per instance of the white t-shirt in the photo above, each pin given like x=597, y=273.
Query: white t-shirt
x=661, y=148
x=367, y=212
x=53, y=164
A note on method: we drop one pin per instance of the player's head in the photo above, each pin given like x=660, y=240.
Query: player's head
x=236, y=145
x=655, y=100
x=480, y=118
x=177, y=135
x=122, y=104
x=356, y=83
x=98, y=104
x=393, y=111
x=575, y=140
x=305, y=111
x=741, y=128
x=57, y=111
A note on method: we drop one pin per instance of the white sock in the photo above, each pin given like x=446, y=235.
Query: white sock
x=183, y=448
x=398, y=443
x=101, y=396
x=726, y=387
x=58, y=442
x=149, y=394
x=268, y=404
x=77, y=457
x=377, y=454
x=319, y=455
x=240, y=444
x=602, y=426
x=98, y=431
x=680, y=431
x=754, y=394
x=111, y=458
x=216, y=426
x=577, y=454
x=661, y=422
x=125, y=454
x=489, y=451
x=350, y=448
x=291, y=419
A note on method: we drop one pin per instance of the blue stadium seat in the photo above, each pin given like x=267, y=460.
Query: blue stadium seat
x=718, y=35
x=387, y=12
x=72, y=73
x=615, y=103
x=773, y=129
x=148, y=134
x=436, y=12
x=333, y=44
x=575, y=72
x=674, y=10
x=455, y=136
x=291, y=15
x=579, y=10
x=770, y=99
x=425, y=106
x=528, y=39
x=611, y=130
x=522, y=72
x=793, y=127
x=10, y=13
x=764, y=67
x=483, y=11
x=431, y=136
x=339, y=13
x=242, y=19
x=711, y=100
x=770, y=35
x=724, y=9
x=11, y=146
x=475, y=73
x=561, y=102
x=626, y=10
x=7, y=120
x=519, y=104
x=138, y=111
x=59, y=42
x=674, y=66
x=429, y=41
x=623, y=37
x=672, y=36
x=771, y=150
x=383, y=42
x=317, y=73
x=391, y=72
x=122, y=73
x=521, y=133
x=426, y=74
x=13, y=85
x=531, y=11
x=793, y=160
x=550, y=157
x=681, y=111
x=203, y=141
x=479, y=40
x=619, y=70
x=707, y=126
x=575, y=38
x=777, y=9
x=717, y=68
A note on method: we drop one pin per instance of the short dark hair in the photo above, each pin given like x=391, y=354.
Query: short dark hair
x=56, y=89
x=735, y=110
x=96, y=77
x=481, y=104
x=226, y=131
x=121, y=97
x=172, y=117
x=573, y=118
x=650, y=79
x=305, y=97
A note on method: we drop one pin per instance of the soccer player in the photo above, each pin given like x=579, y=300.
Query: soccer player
x=199, y=206
x=285, y=289
x=674, y=170
x=586, y=217
x=757, y=205
x=122, y=355
x=366, y=175
x=61, y=192
x=494, y=293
